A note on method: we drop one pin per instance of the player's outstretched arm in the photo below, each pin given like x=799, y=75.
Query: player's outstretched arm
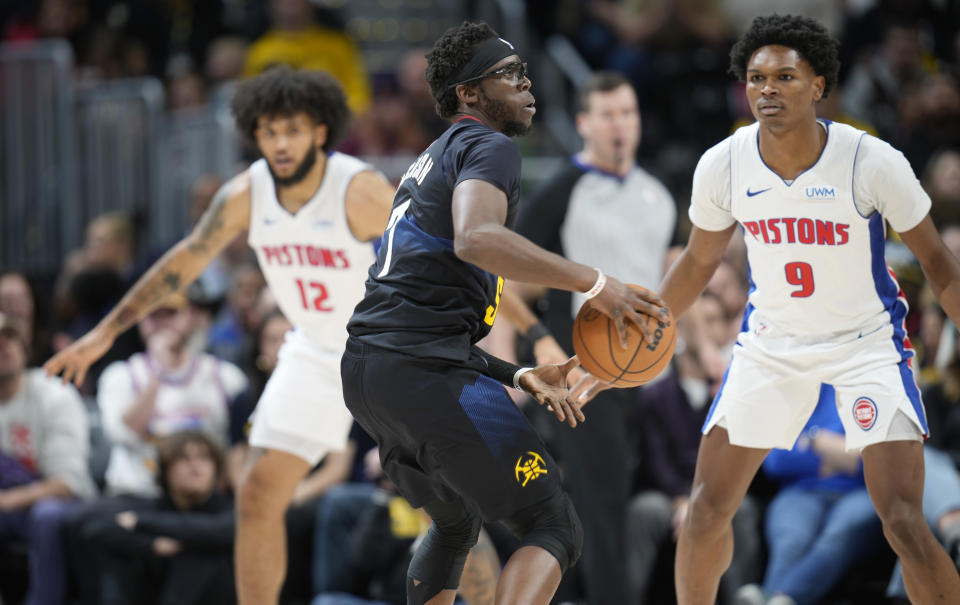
x=939, y=265
x=687, y=278
x=228, y=216
x=480, y=238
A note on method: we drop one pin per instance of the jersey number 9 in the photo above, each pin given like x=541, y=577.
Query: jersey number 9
x=800, y=274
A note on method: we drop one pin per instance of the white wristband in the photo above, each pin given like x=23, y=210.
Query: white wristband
x=517, y=375
x=598, y=286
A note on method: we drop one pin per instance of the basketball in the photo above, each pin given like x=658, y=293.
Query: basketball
x=596, y=342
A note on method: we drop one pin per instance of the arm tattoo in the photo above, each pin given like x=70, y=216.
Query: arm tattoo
x=155, y=289
x=172, y=280
x=211, y=222
x=478, y=584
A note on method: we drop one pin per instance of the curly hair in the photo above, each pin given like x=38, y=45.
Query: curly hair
x=810, y=39
x=282, y=91
x=450, y=53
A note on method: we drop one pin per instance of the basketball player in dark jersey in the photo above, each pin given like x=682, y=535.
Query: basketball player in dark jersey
x=450, y=437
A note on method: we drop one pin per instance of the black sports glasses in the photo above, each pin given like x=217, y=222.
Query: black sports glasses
x=515, y=71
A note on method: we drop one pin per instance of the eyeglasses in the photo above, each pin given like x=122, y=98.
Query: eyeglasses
x=512, y=72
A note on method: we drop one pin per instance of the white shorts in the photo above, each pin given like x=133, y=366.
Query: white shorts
x=301, y=410
x=774, y=379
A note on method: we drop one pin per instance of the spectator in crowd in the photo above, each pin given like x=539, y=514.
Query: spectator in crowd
x=225, y=58
x=43, y=463
x=668, y=420
x=875, y=87
x=269, y=336
x=929, y=119
x=91, y=281
x=47, y=19
x=731, y=287
x=175, y=548
x=108, y=248
x=821, y=522
x=186, y=90
x=941, y=180
x=168, y=388
x=601, y=210
x=415, y=90
x=942, y=402
x=402, y=119
x=109, y=244
x=231, y=335
x=18, y=302
x=296, y=40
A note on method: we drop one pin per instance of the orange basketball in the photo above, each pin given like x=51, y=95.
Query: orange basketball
x=596, y=342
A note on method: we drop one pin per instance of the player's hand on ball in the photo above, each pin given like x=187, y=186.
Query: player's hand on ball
x=587, y=387
x=624, y=304
x=74, y=361
x=548, y=385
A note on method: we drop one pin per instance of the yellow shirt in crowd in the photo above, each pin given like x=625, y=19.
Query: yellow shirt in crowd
x=314, y=48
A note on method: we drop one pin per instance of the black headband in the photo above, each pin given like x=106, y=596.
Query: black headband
x=485, y=55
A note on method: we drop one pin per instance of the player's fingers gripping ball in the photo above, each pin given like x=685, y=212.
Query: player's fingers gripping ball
x=597, y=344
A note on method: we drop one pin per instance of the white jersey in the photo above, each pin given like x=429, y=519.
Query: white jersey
x=196, y=396
x=815, y=245
x=313, y=264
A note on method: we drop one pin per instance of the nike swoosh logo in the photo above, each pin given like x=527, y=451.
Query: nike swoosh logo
x=753, y=193
x=318, y=224
x=269, y=221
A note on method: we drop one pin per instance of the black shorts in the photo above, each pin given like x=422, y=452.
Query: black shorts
x=447, y=431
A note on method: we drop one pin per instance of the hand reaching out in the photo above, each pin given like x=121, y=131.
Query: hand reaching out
x=74, y=361
x=583, y=385
x=548, y=385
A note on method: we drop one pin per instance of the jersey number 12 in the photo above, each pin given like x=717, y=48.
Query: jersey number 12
x=313, y=296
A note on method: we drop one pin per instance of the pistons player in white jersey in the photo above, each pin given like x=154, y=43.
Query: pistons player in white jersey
x=311, y=215
x=812, y=198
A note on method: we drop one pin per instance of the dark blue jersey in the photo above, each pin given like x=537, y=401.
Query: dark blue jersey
x=421, y=299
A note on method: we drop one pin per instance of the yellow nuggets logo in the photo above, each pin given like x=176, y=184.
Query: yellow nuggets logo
x=529, y=467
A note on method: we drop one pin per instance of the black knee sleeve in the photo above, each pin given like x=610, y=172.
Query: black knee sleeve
x=553, y=525
x=438, y=561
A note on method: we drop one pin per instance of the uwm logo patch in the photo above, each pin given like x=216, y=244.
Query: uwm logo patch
x=820, y=193
x=865, y=412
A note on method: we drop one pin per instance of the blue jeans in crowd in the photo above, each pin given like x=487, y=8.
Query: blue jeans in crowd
x=337, y=514
x=941, y=494
x=814, y=537
x=39, y=526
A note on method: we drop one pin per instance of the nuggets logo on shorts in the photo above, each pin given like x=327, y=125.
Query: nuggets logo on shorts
x=529, y=467
x=865, y=412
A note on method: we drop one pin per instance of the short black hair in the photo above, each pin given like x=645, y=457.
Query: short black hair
x=450, y=53
x=283, y=91
x=810, y=39
x=601, y=81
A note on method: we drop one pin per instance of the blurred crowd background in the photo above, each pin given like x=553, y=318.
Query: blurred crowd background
x=114, y=135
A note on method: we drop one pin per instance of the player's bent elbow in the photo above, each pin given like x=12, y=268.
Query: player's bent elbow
x=469, y=246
